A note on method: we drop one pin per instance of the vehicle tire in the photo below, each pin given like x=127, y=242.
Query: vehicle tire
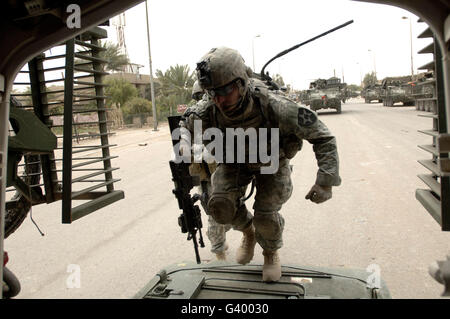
x=339, y=108
x=433, y=108
x=15, y=216
x=390, y=102
x=10, y=285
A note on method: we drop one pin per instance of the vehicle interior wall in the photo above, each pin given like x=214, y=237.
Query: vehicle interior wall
x=20, y=44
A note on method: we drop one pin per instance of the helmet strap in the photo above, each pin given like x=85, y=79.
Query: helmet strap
x=242, y=88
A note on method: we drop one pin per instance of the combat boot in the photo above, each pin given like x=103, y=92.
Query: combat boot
x=222, y=255
x=245, y=252
x=272, y=266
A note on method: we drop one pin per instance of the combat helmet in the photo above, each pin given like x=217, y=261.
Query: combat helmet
x=197, y=91
x=221, y=66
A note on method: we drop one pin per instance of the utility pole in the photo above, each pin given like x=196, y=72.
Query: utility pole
x=152, y=88
x=374, y=66
x=411, y=46
x=360, y=73
x=253, y=50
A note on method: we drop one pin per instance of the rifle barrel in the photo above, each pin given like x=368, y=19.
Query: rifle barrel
x=197, y=254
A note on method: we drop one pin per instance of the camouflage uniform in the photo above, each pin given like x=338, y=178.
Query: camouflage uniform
x=236, y=101
x=295, y=123
x=216, y=232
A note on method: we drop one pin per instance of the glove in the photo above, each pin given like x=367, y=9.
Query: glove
x=318, y=194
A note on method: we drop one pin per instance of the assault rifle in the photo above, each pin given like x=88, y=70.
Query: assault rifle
x=190, y=219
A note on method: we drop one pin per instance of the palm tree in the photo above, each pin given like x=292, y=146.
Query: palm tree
x=177, y=81
x=112, y=53
x=116, y=59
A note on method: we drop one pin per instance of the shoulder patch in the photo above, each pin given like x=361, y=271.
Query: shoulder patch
x=306, y=117
x=199, y=109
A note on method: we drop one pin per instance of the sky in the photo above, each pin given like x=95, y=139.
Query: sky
x=181, y=32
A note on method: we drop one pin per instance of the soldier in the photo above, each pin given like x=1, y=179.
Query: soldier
x=216, y=232
x=236, y=101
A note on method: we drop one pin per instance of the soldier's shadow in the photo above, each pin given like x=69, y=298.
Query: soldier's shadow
x=334, y=112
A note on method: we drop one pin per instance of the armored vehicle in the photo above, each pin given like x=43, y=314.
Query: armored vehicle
x=397, y=90
x=372, y=93
x=326, y=94
x=424, y=93
x=304, y=97
x=425, y=89
x=222, y=280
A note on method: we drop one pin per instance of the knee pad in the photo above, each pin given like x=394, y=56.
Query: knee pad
x=222, y=207
x=269, y=225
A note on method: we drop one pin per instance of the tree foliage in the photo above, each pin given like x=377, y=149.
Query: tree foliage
x=354, y=87
x=176, y=80
x=116, y=59
x=166, y=105
x=175, y=88
x=370, y=79
x=278, y=79
x=119, y=92
x=137, y=105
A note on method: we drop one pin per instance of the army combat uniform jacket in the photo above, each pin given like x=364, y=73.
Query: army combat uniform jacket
x=264, y=109
x=271, y=110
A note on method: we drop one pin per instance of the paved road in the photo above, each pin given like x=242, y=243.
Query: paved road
x=373, y=217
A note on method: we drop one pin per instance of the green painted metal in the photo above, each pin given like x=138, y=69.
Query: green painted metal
x=37, y=85
x=95, y=204
x=31, y=135
x=326, y=94
x=223, y=280
x=67, y=137
x=442, y=129
x=433, y=100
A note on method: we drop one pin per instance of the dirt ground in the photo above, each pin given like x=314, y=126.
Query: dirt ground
x=372, y=219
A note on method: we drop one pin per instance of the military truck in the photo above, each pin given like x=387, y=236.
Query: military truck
x=326, y=94
x=304, y=97
x=424, y=92
x=397, y=90
x=372, y=93
x=352, y=93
